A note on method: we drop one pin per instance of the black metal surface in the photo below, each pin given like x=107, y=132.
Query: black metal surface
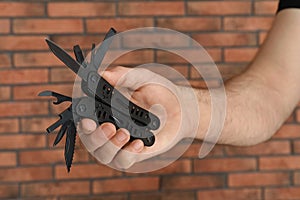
x=63, y=56
x=103, y=102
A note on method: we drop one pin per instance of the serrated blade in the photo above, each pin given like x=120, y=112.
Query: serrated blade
x=70, y=145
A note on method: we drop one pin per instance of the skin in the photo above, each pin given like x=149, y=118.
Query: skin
x=258, y=101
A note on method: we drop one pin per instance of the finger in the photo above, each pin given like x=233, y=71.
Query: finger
x=107, y=152
x=97, y=138
x=87, y=126
x=112, y=75
x=131, y=78
x=128, y=155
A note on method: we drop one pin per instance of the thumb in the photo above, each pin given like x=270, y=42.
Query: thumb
x=112, y=75
x=131, y=78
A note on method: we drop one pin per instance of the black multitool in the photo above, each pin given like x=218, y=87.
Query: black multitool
x=102, y=103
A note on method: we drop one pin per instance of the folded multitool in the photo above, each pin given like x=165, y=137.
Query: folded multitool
x=102, y=103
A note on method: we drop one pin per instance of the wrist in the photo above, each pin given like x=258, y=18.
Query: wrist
x=190, y=115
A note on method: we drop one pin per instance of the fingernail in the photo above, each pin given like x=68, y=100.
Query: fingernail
x=121, y=136
x=137, y=146
x=107, y=130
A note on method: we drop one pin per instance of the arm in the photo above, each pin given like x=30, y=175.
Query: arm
x=261, y=99
x=258, y=101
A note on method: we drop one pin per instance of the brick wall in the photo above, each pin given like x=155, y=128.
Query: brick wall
x=31, y=169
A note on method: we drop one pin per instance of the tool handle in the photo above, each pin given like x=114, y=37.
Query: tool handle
x=107, y=94
x=87, y=107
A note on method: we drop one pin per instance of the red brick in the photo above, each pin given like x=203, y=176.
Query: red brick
x=193, y=55
x=51, y=138
x=225, y=39
x=14, y=9
x=22, y=141
x=126, y=185
x=190, y=24
x=25, y=174
x=265, y=7
x=296, y=146
x=120, y=24
x=31, y=92
x=85, y=41
x=24, y=76
x=38, y=198
x=150, y=8
x=97, y=197
x=155, y=39
x=240, y=54
x=5, y=93
x=279, y=163
x=258, y=179
x=262, y=37
x=8, y=159
x=55, y=188
x=298, y=115
x=62, y=75
x=267, y=148
x=193, y=151
x=219, y=8
x=229, y=194
x=247, y=23
x=39, y=157
x=4, y=26
x=291, y=118
x=225, y=164
x=81, y=171
x=179, y=166
x=297, y=178
x=9, y=191
x=288, y=131
x=25, y=43
x=169, y=195
x=51, y=156
x=36, y=59
x=80, y=155
x=169, y=155
x=9, y=126
x=35, y=124
x=80, y=9
x=23, y=109
x=191, y=182
x=133, y=58
x=286, y=193
x=5, y=60
x=48, y=26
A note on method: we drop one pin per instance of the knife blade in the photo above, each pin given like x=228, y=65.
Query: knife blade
x=99, y=53
x=63, y=56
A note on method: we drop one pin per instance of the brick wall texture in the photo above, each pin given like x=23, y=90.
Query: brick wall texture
x=30, y=168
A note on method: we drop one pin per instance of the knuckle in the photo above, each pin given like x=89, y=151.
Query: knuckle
x=124, y=161
x=102, y=158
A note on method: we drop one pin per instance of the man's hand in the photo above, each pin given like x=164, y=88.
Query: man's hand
x=150, y=91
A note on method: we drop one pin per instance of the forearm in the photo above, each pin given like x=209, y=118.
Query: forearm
x=252, y=114
x=260, y=99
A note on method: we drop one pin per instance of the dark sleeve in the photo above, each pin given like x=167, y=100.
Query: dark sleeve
x=284, y=4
